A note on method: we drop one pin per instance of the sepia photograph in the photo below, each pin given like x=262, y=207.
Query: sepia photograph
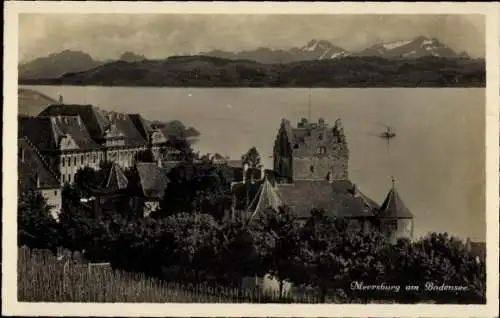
x=250, y=158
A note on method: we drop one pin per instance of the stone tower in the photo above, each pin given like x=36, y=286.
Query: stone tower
x=311, y=151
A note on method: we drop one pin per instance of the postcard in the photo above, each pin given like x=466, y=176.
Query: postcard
x=251, y=159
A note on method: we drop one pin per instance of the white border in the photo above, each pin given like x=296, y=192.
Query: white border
x=10, y=305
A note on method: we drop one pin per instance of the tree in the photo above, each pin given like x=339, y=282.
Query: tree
x=277, y=239
x=252, y=158
x=437, y=259
x=237, y=256
x=334, y=254
x=36, y=227
x=201, y=187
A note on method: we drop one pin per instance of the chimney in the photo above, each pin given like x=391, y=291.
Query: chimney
x=354, y=189
x=245, y=171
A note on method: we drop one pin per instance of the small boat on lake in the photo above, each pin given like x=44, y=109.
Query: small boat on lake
x=388, y=134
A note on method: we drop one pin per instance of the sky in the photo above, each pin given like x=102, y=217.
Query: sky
x=107, y=36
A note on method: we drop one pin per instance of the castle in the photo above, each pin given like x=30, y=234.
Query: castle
x=310, y=170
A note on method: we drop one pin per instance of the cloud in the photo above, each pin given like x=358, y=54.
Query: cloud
x=107, y=36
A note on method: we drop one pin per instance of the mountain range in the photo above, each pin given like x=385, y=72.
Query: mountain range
x=68, y=61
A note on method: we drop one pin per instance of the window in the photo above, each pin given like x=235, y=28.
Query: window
x=295, y=146
x=311, y=168
x=55, y=192
x=93, y=158
x=63, y=178
x=63, y=161
x=320, y=136
x=74, y=161
x=81, y=159
x=69, y=161
x=69, y=176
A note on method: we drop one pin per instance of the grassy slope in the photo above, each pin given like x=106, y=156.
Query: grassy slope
x=31, y=102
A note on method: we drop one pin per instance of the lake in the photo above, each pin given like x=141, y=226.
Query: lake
x=437, y=157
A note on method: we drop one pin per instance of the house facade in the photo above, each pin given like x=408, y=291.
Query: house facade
x=34, y=173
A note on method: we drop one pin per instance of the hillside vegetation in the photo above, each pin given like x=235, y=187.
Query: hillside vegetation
x=203, y=71
x=31, y=102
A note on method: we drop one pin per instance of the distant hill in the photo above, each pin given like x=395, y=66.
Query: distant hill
x=31, y=102
x=131, y=57
x=56, y=65
x=349, y=71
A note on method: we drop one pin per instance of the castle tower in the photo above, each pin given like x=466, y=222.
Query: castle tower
x=311, y=151
x=394, y=217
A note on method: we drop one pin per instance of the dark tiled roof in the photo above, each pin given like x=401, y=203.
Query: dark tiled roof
x=141, y=125
x=94, y=121
x=303, y=196
x=126, y=126
x=394, y=207
x=336, y=198
x=153, y=180
x=31, y=166
x=46, y=132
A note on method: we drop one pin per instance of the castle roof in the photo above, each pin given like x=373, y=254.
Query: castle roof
x=33, y=171
x=47, y=132
x=300, y=133
x=336, y=198
x=393, y=206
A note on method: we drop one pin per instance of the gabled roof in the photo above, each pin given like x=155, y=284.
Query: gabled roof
x=394, y=207
x=141, y=125
x=116, y=179
x=33, y=171
x=126, y=126
x=94, y=121
x=153, y=180
x=267, y=197
x=46, y=132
